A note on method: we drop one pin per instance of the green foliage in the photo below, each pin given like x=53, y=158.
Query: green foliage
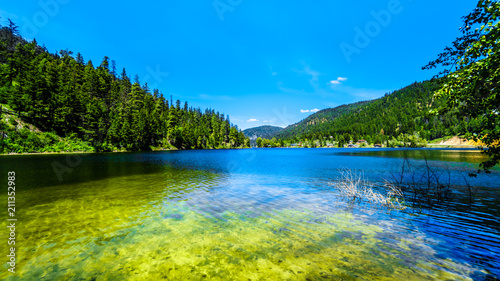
x=404, y=112
x=259, y=142
x=263, y=131
x=318, y=122
x=472, y=76
x=25, y=140
x=87, y=106
x=266, y=132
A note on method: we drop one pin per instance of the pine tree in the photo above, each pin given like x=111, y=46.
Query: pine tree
x=63, y=95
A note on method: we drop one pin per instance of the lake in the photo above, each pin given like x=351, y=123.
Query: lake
x=253, y=214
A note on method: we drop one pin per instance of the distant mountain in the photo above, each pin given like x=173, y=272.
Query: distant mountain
x=312, y=122
x=405, y=111
x=265, y=132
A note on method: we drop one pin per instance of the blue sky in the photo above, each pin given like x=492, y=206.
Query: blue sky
x=260, y=62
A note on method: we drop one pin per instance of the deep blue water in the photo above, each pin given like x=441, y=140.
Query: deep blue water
x=263, y=181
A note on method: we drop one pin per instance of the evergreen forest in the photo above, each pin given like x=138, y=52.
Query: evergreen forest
x=406, y=115
x=52, y=102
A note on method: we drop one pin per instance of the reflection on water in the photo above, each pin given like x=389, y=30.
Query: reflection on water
x=238, y=215
x=451, y=155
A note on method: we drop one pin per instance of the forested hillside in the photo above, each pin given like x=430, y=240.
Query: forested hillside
x=266, y=132
x=404, y=112
x=68, y=98
x=312, y=122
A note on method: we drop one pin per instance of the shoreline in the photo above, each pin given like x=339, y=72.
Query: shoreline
x=115, y=151
x=175, y=149
x=80, y=152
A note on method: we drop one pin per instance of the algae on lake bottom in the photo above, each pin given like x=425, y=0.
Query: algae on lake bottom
x=123, y=229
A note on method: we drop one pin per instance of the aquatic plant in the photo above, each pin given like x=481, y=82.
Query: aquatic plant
x=187, y=224
x=429, y=184
x=354, y=186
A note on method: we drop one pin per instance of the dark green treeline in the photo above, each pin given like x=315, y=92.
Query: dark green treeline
x=403, y=113
x=61, y=94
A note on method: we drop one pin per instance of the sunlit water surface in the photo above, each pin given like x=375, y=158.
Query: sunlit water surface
x=256, y=214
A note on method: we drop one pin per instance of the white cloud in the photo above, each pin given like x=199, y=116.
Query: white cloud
x=252, y=120
x=309, y=110
x=338, y=81
x=332, y=89
x=313, y=77
x=313, y=73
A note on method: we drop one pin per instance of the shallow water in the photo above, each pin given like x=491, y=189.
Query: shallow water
x=258, y=214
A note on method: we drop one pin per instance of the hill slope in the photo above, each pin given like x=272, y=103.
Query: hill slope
x=313, y=122
x=405, y=111
x=66, y=98
x=265, y=132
